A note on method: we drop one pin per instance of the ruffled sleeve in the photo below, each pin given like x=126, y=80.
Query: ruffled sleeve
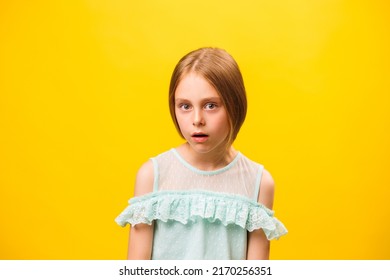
x=185, y=207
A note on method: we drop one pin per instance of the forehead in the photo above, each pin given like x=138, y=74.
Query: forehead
x=195, y=87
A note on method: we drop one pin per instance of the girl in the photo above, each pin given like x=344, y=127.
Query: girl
x=203, y=199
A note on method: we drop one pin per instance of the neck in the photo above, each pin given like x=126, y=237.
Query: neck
x=210, y=161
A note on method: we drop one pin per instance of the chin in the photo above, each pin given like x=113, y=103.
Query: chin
x=202, y=148
x=198, y=149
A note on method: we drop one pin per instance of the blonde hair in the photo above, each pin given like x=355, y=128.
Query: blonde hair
x=221, y=70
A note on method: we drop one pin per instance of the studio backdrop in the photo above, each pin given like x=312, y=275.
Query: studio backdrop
x=84, y=102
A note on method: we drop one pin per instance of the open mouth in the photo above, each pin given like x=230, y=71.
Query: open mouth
x=199, y=134
x=199, y=137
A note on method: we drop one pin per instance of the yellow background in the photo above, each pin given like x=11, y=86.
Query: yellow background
x=83, y=103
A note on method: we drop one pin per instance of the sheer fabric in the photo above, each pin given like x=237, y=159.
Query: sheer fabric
x=202, y=214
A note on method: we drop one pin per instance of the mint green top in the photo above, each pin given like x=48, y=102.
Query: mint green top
x=202, y=214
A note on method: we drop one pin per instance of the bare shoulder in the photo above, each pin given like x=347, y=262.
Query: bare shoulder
x=145, y=179
x=267, y=189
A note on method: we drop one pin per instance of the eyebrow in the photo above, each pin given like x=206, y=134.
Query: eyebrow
x=211, y=99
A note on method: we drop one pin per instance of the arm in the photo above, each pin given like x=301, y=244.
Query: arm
x=258, y=244
x=141, y=235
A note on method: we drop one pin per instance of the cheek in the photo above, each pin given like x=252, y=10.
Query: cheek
x=181, y=121
x=223, y=123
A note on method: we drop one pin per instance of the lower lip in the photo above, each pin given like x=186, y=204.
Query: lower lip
x=200, y=139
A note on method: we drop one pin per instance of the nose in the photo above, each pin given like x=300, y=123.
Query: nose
x=198, y=118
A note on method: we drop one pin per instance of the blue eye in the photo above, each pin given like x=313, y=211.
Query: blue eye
x=210, y=106
x=184, y=106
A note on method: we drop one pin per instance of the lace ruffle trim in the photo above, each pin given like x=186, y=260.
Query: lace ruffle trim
x=185, y=207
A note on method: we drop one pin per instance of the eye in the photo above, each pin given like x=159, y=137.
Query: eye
x=210, y=106
x=184, y=106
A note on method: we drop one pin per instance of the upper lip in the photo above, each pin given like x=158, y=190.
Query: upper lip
x=199, y=134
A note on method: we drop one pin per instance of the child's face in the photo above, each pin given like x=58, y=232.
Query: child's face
x=200, y=113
